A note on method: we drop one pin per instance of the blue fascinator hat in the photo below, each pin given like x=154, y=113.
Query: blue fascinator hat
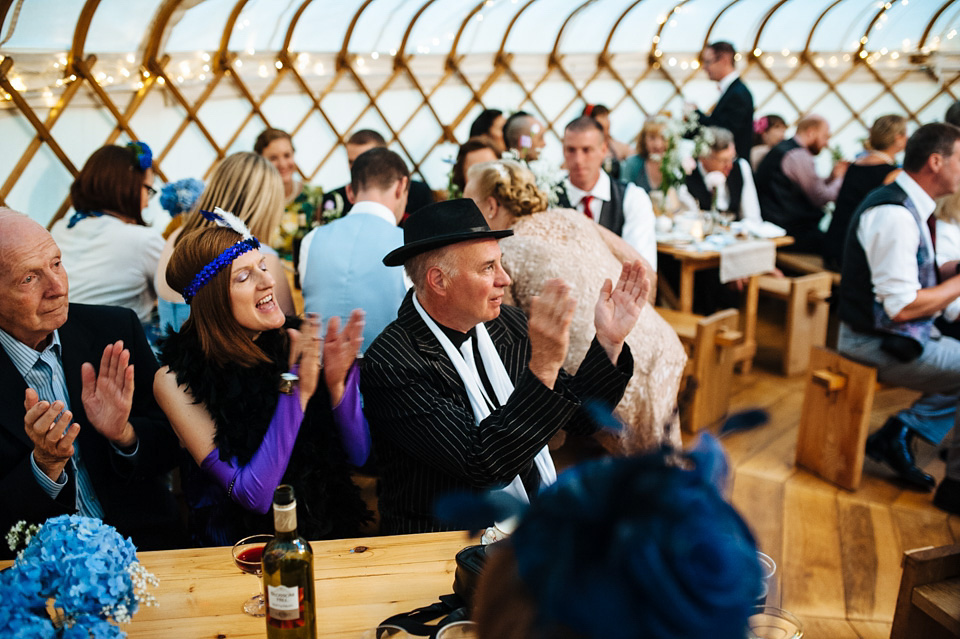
x=637, y=547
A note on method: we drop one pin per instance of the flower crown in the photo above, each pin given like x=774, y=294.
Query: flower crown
x=142, y=154
x=217, y=264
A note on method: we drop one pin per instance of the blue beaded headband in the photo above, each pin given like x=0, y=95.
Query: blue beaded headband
x=208, y=272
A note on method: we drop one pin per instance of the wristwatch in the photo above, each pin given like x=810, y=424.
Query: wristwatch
x=288, y=382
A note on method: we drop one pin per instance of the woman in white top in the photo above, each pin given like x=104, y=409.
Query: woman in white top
x=108, y=251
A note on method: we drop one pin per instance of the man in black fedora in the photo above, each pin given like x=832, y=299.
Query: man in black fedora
x=462, y=393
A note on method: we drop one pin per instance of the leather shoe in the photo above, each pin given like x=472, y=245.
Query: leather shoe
x=889, y=445
x=947, y=496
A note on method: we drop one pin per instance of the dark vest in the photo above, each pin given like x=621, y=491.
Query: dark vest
x=611, y=213
x=698, y=189
x=782, y=201
x=858, y=308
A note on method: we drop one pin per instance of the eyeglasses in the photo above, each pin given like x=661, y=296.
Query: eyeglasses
x=150, y=191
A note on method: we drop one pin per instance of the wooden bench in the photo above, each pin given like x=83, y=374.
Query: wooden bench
x=835, y=417
x=808, y=312
x=708, y=376
x=805, y=264
x=928, y=603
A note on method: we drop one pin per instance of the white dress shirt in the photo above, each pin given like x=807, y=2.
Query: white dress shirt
x=638, y=219
x=727, y=80
x=889, y=236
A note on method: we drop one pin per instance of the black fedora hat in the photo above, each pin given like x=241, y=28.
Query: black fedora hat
x=440, y=224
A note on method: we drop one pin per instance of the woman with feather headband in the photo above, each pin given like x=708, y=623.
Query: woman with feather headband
x=247, y=423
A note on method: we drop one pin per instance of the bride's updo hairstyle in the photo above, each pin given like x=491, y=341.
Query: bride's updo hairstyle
x=511, y=183
x=222, y=339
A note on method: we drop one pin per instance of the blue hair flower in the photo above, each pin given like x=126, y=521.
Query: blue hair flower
x=142, y=154
x=180, y=196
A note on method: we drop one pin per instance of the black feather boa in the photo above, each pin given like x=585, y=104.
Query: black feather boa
x=242, y=402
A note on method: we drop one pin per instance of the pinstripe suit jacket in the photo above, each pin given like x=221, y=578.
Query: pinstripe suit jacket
x=424, y=434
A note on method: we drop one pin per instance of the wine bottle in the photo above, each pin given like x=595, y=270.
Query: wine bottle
x=288, y=574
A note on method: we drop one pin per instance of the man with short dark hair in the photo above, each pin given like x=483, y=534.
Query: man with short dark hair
x=462, y=393
x=889, y=297
x=340, y=263
x=734, y=109
x=80, y=431
x=792, y=195
x=419, y=193
x=622, y=208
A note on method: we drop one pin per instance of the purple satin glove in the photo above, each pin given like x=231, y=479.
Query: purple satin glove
x=348, y=415
x=252, y=485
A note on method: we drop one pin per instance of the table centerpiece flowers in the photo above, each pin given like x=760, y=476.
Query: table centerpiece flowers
x=76, y=578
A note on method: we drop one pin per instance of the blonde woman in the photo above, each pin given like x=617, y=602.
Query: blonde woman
x=249, y=186
x=550, y=243
x=643, y=169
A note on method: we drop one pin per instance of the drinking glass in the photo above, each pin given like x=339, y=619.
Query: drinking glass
x=458, y=630
x=247, y=554
x=387, y=631
x=768, y=622
x=767, y=569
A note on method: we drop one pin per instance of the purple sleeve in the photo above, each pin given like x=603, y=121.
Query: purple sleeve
x=348, y=415
x=252, y=485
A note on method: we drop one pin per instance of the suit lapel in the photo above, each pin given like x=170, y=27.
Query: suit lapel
x=11, y=410
x=424, y=341
x=75, y=350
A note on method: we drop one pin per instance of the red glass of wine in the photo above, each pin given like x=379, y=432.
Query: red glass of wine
x=247, y=554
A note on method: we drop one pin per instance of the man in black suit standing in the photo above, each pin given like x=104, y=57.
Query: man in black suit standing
x=734, y=109
x=80, y=431
x=463, y=394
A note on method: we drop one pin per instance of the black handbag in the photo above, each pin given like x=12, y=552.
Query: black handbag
x=428, y=620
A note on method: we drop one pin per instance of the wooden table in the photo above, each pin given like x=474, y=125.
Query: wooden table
x=691, y=261
x=359, y=583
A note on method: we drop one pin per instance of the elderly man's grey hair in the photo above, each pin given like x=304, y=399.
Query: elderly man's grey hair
x=722, y=139
x=417, y=266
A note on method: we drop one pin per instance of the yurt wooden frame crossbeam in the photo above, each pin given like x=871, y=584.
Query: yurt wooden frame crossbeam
x=477, y=75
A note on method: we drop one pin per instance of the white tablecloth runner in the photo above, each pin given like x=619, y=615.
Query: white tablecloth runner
x=743, y=259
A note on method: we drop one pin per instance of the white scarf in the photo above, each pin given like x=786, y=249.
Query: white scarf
x=479, y=402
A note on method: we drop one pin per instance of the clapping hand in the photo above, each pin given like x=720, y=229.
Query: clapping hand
x=107, y=396
x=619, y=307
x=340, y=351
x=305, y=351
x=52, y=436
x=548, y=325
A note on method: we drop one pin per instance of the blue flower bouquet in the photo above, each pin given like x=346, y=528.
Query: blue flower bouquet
x=77, y=578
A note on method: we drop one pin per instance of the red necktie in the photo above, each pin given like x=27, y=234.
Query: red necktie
x=585, y=201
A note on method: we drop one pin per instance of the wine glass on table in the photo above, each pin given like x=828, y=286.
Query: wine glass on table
x=247, y=554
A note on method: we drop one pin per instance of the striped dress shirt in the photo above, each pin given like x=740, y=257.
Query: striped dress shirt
x=424, y=433
x=43, y=372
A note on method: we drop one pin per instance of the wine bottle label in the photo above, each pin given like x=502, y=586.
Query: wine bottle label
x=283, y=602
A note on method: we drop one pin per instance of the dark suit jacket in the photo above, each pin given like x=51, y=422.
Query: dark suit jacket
x=419, y=196
x=132, y=492
x=424, y=434
x=734, y=112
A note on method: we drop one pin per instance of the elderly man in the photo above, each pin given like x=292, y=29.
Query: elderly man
x=463, y=394
x=523, y=133
x=736, y=193
x=792, y=195
x=340, y=262
x=890, y=295
x=76, y=436
x=734, y=108
x=623, y=208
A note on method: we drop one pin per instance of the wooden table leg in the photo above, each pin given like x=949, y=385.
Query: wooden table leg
x=750, y=322
x=687, y=271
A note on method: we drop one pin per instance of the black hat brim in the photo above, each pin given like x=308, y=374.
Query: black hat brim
x=400, y=255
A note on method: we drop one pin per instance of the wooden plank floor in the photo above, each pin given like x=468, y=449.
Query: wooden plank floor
x=837, y=552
